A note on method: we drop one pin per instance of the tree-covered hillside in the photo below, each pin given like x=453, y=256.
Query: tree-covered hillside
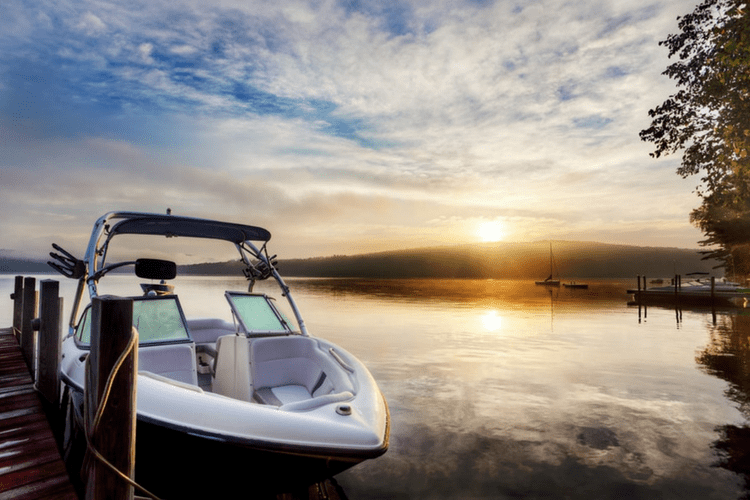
x=496, y=260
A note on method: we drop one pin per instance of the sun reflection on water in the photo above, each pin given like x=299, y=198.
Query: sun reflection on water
x=492, y=321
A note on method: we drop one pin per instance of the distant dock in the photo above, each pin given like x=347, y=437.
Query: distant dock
x=710, y=294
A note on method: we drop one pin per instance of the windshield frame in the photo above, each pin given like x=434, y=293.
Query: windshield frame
x=84, y=324
x=242, y=321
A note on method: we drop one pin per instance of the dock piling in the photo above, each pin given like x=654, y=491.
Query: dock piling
x=713, y=290
x=29, y=313
x=17, y=298
x=111, y=430
x=48, y=340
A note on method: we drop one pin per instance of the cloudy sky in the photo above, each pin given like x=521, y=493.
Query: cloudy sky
x=342, y=126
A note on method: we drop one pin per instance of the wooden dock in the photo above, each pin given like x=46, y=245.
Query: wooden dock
x=30, y=463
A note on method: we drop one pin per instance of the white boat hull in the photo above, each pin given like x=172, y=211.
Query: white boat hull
x=184, y=426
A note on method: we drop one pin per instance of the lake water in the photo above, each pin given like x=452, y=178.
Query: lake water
x=504, y=389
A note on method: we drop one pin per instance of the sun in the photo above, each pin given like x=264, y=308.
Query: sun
x=489, y=231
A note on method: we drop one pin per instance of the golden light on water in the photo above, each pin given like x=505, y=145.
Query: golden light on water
x=490, y=231
x=492, y=321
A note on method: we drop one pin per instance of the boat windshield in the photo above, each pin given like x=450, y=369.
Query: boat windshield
x=256, y=314
x=157, y=319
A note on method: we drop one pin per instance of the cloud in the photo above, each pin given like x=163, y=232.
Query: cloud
x=343, y=114
x=91, y=25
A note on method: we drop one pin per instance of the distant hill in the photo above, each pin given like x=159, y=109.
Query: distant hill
x=496, y=260
x=16, y=265
x=574, y=260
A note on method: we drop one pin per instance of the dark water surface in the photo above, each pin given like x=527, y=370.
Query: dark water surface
x=504, y=389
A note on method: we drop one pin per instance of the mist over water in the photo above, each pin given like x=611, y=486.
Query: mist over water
x=502, y=389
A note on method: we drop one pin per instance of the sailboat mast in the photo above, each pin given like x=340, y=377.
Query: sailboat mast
x=551, y=265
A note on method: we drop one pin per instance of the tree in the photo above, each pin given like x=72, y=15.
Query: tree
x=709, y=119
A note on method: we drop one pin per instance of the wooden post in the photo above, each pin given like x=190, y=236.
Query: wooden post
x=48, y=354
x=713, y=290
x=638, y=295
x=29, y=313
x=17, y=306
x=114, y=437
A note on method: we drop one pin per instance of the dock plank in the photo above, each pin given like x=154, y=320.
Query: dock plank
x=30, y=463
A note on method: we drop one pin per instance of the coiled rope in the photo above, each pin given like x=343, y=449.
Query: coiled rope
x=91, y=432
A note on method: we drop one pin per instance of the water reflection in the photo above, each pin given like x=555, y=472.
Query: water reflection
x=598, y=407
x=505, y=294
x=492, y=321
x=727, y=356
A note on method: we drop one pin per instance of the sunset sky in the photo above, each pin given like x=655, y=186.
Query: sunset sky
x=341, y=126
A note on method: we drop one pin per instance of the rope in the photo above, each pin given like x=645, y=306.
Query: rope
x=90, y=433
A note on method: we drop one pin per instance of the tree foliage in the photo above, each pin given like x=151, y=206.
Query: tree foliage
x=709, y=120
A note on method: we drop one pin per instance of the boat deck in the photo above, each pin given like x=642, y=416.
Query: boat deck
x=30, y=463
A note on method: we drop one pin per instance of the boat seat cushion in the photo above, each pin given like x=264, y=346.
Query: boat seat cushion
x=291, y=369
x=208, y=330
x=281, y=395
x=174, y=361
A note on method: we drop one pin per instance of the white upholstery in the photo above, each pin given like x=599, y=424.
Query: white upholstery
x=208, y=330
x=295, y=369
x=232, y=377
x=291, y=393
x=280, y=361
x=174, y=361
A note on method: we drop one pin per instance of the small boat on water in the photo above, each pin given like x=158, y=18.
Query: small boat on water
x=552, y=279
x=255, y=400
x=573, y=284
x=549, y=281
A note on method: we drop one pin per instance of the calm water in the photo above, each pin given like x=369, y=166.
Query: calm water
x=503, y=389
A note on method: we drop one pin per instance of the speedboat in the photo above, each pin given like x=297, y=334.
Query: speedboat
x=254, y=399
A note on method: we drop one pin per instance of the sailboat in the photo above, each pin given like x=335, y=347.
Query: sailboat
x=550, y=280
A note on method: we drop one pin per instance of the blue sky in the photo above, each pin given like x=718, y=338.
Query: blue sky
x=341, y=126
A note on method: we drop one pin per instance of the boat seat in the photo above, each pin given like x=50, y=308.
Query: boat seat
x=278, y=396
x=232, y=371
x=292, y=372
x=206, y=331
x=173, y=361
